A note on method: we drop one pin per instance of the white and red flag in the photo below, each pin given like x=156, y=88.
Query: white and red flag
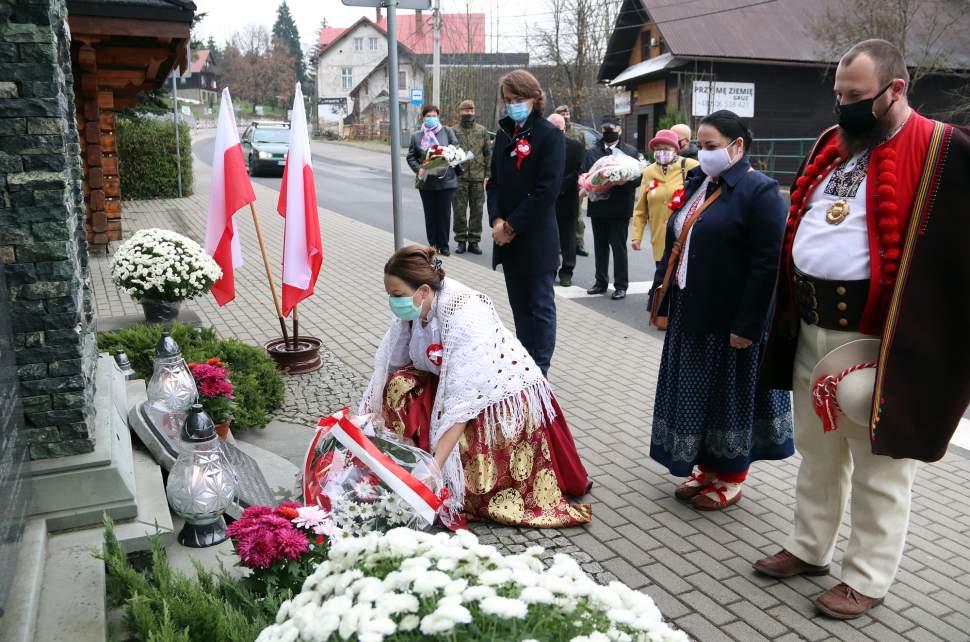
x=230, y=191
x=302, y=249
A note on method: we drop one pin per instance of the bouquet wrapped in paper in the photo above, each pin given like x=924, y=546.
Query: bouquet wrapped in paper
x=607, y=173
x=438, y=159
x=369, y=480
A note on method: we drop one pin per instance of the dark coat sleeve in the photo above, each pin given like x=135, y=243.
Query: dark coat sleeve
x=574, y=163
x=492, y=186
x=414, y=154
x=764, y=229
x=542, y=199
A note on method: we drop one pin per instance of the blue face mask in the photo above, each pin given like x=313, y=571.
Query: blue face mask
x=403, y=307
x=518, y=112
x=431, y=122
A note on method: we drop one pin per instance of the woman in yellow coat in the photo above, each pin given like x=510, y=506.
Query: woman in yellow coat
x=661, y=180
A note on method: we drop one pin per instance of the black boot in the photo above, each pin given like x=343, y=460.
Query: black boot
x=461, y=248
x=473, y=248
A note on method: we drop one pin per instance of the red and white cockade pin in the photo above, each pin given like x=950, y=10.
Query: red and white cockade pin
x=522, y=150
x=436, y=353
x=677, y=200
x=654, y=184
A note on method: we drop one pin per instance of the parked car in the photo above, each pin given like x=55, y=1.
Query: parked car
x=592, y=136
x=264, y=147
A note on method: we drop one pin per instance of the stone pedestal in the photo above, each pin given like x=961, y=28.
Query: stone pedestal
x=70, y=492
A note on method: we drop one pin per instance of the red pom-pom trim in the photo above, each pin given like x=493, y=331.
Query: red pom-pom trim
x=887, y=224
x=891, y=238
x=893, y=254
x=887, y=167
x=800, y=182
x=890, y=268
x=887, y=208
x=886, y=192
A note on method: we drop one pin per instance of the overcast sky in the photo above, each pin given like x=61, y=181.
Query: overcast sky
x=224, y=17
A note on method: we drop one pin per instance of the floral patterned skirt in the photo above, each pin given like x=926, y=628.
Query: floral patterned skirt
x=519, y=482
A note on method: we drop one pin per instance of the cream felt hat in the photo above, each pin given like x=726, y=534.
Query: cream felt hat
x=843, y=383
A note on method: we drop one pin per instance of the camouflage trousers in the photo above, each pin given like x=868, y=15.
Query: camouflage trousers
x=468, y=206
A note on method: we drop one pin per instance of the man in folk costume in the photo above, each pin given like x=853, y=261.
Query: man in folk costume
x=875, y=248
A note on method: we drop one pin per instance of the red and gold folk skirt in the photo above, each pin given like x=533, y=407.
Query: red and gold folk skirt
x=518, y=482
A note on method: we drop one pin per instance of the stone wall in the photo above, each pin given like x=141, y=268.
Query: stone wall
x=42, y=242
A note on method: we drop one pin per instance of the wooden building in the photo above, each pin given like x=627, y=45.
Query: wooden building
x=757, y=59
x=118, y=49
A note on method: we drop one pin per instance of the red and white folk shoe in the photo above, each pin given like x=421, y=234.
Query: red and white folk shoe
x=717, y=496
x=699, y=480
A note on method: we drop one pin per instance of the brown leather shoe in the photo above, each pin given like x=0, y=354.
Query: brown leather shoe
x=692, y=487
x=704, y=501
x=842, y=602
x=783, y=564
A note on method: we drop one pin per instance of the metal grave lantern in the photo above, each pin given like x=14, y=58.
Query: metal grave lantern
x=171, y=392
x=202, y=483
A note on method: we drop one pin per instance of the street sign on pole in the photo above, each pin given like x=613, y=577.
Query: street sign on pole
x=395, y=102
x=417, y=97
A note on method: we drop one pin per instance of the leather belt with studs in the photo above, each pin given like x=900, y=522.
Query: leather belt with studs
x=833, y=305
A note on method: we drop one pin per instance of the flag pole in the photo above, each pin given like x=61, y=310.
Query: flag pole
x=296, y=328
x=269, y=273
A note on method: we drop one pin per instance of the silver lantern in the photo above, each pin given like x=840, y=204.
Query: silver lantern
x=171, y=391
x=202, y=483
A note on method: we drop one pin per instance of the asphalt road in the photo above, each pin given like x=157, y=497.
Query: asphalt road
x=364, y=193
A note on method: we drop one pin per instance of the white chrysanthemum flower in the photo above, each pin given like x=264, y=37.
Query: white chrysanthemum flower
x=504, y=607
x=435, y=623
x=430, y=582
x=409, y=623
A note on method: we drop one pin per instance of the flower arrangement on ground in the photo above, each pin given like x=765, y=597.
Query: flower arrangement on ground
x=343, y=473
x=281, y=546
x=438, y=159
x=161, y=265
x=409, y=585
x=215, y=389
x=607, y=173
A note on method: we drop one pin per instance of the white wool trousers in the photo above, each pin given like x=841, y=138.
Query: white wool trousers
x=838, y=468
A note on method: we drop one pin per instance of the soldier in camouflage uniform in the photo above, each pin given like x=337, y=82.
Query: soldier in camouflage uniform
x=577, y=133
x=469, y=201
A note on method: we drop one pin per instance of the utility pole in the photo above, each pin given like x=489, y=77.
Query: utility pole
x=397, y=204
x=436, y=56
x=175, y=120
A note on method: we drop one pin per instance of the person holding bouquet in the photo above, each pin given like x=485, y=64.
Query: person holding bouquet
x=450, y=377
x=611, y=215
x=712, y=416
x=661, y=180
x=436, y=187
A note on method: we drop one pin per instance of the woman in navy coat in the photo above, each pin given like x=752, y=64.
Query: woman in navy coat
x=528, y=161
x=711, y=417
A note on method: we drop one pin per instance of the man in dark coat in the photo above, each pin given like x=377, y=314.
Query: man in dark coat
x=523, y=185
x=567, y=205
x=875, y=248
x=611, y=216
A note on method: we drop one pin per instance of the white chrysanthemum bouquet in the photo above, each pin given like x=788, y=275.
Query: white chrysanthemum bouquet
x=607, y=173
x=438, y=159
x=161, y=265
x=408, y=585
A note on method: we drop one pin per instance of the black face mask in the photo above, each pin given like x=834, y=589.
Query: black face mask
x=857, y=118
x=467, y=119
x=611, y=136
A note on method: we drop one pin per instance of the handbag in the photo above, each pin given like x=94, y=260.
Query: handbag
x=673, y=263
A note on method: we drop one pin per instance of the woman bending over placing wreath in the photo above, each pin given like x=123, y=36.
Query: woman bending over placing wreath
x=451, y=378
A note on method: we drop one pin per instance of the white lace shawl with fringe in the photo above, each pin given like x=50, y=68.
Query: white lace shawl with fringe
x=485, y=369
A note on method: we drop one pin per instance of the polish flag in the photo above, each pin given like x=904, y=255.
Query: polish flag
x=230, y=191
x=302, y=249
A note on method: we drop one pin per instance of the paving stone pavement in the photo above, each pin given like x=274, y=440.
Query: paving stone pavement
x=696, y=566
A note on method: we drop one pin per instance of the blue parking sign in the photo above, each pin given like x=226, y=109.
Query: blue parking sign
x=417, y=96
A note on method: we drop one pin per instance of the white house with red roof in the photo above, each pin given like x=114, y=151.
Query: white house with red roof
x=350, y=59
x=203, y=83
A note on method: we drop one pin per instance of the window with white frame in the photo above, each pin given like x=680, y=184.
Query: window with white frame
x=347, y=78
x=372, y=44
x=402, y=78
x=358, y=44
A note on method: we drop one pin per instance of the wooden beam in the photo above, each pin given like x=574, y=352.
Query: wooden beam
x=119, y=78
x=125, y=55
x=106, y=100
x=101, y=27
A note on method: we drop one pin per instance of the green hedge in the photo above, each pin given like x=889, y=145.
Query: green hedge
x=258, y=386
x=146, y=158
